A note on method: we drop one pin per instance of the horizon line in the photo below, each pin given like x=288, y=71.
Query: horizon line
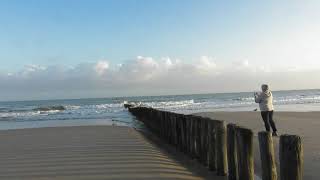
x=187, y=94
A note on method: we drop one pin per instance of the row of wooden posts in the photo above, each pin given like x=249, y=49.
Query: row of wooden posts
x=226, y=149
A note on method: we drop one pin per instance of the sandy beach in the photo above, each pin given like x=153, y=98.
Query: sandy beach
x=92, y=152
x=305, y=124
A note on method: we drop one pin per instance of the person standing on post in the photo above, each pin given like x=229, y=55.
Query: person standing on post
x=265, y=100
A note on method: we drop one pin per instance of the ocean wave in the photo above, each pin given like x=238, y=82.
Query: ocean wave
x=94, y=108
x=6, y=115
x=50, y=108
x=297, y=100
x=170, y=104
x=62, y=112
x=72, y=107
x=107, y=106
x=244, y=99
x=3, y=109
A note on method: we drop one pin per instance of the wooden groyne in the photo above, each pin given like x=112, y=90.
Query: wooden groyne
x=226, y=149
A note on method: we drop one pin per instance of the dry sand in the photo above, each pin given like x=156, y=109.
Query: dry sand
x=305, y=124
x=92, y=152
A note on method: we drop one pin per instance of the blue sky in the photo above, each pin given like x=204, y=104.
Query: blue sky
x=69, y=32
x=265, y=34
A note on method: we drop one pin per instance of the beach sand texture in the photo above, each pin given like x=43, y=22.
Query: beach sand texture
x=92, y=152
x=304, y=124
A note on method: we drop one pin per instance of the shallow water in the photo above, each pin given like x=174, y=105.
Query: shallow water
x=110, y=111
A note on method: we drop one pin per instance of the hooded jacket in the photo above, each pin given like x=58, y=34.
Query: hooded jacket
x=265, y=100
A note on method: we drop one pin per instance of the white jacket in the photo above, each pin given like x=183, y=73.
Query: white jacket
x=265, y=100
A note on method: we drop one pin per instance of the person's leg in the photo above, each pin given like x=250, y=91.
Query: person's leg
x=265, y=118
x=273, y=125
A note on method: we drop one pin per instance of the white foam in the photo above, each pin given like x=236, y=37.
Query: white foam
x=171, y=104
x=19, y=114
x=107, y=106
x=68, y=107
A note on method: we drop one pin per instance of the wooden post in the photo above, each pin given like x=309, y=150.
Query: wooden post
x=179, y=133
x=197, y=137
x=268, y=164
x=192, y=119
x=175, y=120
x=161, y=124
x=291, y=157
x=183, y=134
x=188, y=134
x=206, y=139
x=200, y=139
x=232, y=152
x=221, y=148
x=212, y=161
x=203, y=141
x=166, y=124
x=173, y=125
x=245, y=153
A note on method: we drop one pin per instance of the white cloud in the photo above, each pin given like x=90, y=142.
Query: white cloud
x=148, y=76
x=101, y=67
x=30, y=69
x=206, y=64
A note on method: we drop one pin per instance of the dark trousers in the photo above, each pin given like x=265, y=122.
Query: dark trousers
x=267, y=117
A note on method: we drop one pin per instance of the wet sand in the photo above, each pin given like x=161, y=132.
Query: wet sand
x=92, y=152
x=304, y=124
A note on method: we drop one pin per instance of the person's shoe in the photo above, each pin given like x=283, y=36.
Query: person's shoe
x=274, y=134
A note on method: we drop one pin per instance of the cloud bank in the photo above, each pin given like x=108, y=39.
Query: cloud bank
x=149, y=76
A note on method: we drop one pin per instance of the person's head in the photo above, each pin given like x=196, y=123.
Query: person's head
x=264, y=87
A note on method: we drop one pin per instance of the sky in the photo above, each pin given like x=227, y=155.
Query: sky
x=54, y=49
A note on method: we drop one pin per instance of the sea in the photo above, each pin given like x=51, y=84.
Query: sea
x=111, y=111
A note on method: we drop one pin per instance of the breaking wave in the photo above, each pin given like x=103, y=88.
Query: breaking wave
x=170, y=104
x=50, y=108
x=113, y=108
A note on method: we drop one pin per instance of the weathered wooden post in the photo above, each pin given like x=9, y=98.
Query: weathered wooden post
x=191, y=138
x=212, y=161
x=188, y=134
x=172, y=128
x=221, y=148
x=166, y=126
x=232, y=152
x=207, y=141
x=291, y=157
x=198, y=137
x=168, y=122
x=169, y=127
x=179, y=133
x=192, y=120
x=183, y=134
x=203, y=141
x=174, y=123
x=268, y=164
x=180, y=127
x=245, y=153
x=156, y=121
x=161, y=124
